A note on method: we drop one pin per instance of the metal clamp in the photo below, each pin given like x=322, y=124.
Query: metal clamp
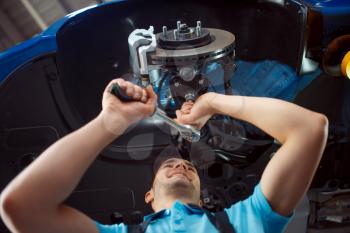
x=141, y=42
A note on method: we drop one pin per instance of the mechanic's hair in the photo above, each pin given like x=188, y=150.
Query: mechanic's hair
x=167, y=153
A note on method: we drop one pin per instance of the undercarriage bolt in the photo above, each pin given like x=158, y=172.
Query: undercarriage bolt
x=178, y=24
x=165, y=31
x=175, y=34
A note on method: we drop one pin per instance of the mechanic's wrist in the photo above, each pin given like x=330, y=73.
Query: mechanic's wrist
x=113, y=126
x=212, y=103
x=232, y=105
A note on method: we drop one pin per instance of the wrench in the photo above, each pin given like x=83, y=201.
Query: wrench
x=188, y=132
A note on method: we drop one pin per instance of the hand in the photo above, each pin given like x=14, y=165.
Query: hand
x=118, y=115
x=197, y=113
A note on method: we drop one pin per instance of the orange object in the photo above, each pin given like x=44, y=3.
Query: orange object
x=345, y=65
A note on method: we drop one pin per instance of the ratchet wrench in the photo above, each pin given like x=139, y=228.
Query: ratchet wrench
x=188, y=132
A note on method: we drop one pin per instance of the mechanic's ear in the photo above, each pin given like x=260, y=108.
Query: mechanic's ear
x=149, y=197
x=200, y=203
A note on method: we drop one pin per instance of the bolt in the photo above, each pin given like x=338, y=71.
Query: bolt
x=176, y=84
x=199, y=28
x=175, y=34
x=198, y=31
x=164, y=31
x=190, y=97
x=178, y=24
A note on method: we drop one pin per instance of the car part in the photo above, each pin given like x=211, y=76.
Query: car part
x=180, y=55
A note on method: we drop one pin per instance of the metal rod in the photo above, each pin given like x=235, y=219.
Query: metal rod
x=35, y=14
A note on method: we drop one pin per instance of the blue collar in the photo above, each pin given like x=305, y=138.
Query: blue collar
x=179, y=206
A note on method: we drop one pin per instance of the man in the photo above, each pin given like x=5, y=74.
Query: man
x=32, y=202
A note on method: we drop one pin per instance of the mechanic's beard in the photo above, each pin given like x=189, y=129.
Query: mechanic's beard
x=180, y=190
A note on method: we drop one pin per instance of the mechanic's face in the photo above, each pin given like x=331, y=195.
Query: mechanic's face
x=177, y=179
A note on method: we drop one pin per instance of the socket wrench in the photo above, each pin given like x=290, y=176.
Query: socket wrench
x=188, y=132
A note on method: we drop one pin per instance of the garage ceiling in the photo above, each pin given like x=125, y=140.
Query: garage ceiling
x=22, y=19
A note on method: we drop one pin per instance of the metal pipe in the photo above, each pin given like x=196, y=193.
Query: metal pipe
x=35, y=14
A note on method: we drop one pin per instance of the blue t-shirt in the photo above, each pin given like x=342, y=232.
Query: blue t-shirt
x=253, y=215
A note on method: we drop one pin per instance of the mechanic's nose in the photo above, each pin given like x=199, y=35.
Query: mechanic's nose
x=181, y=165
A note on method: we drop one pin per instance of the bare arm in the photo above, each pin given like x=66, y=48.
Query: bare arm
x=32, y=202
x=302, y=133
